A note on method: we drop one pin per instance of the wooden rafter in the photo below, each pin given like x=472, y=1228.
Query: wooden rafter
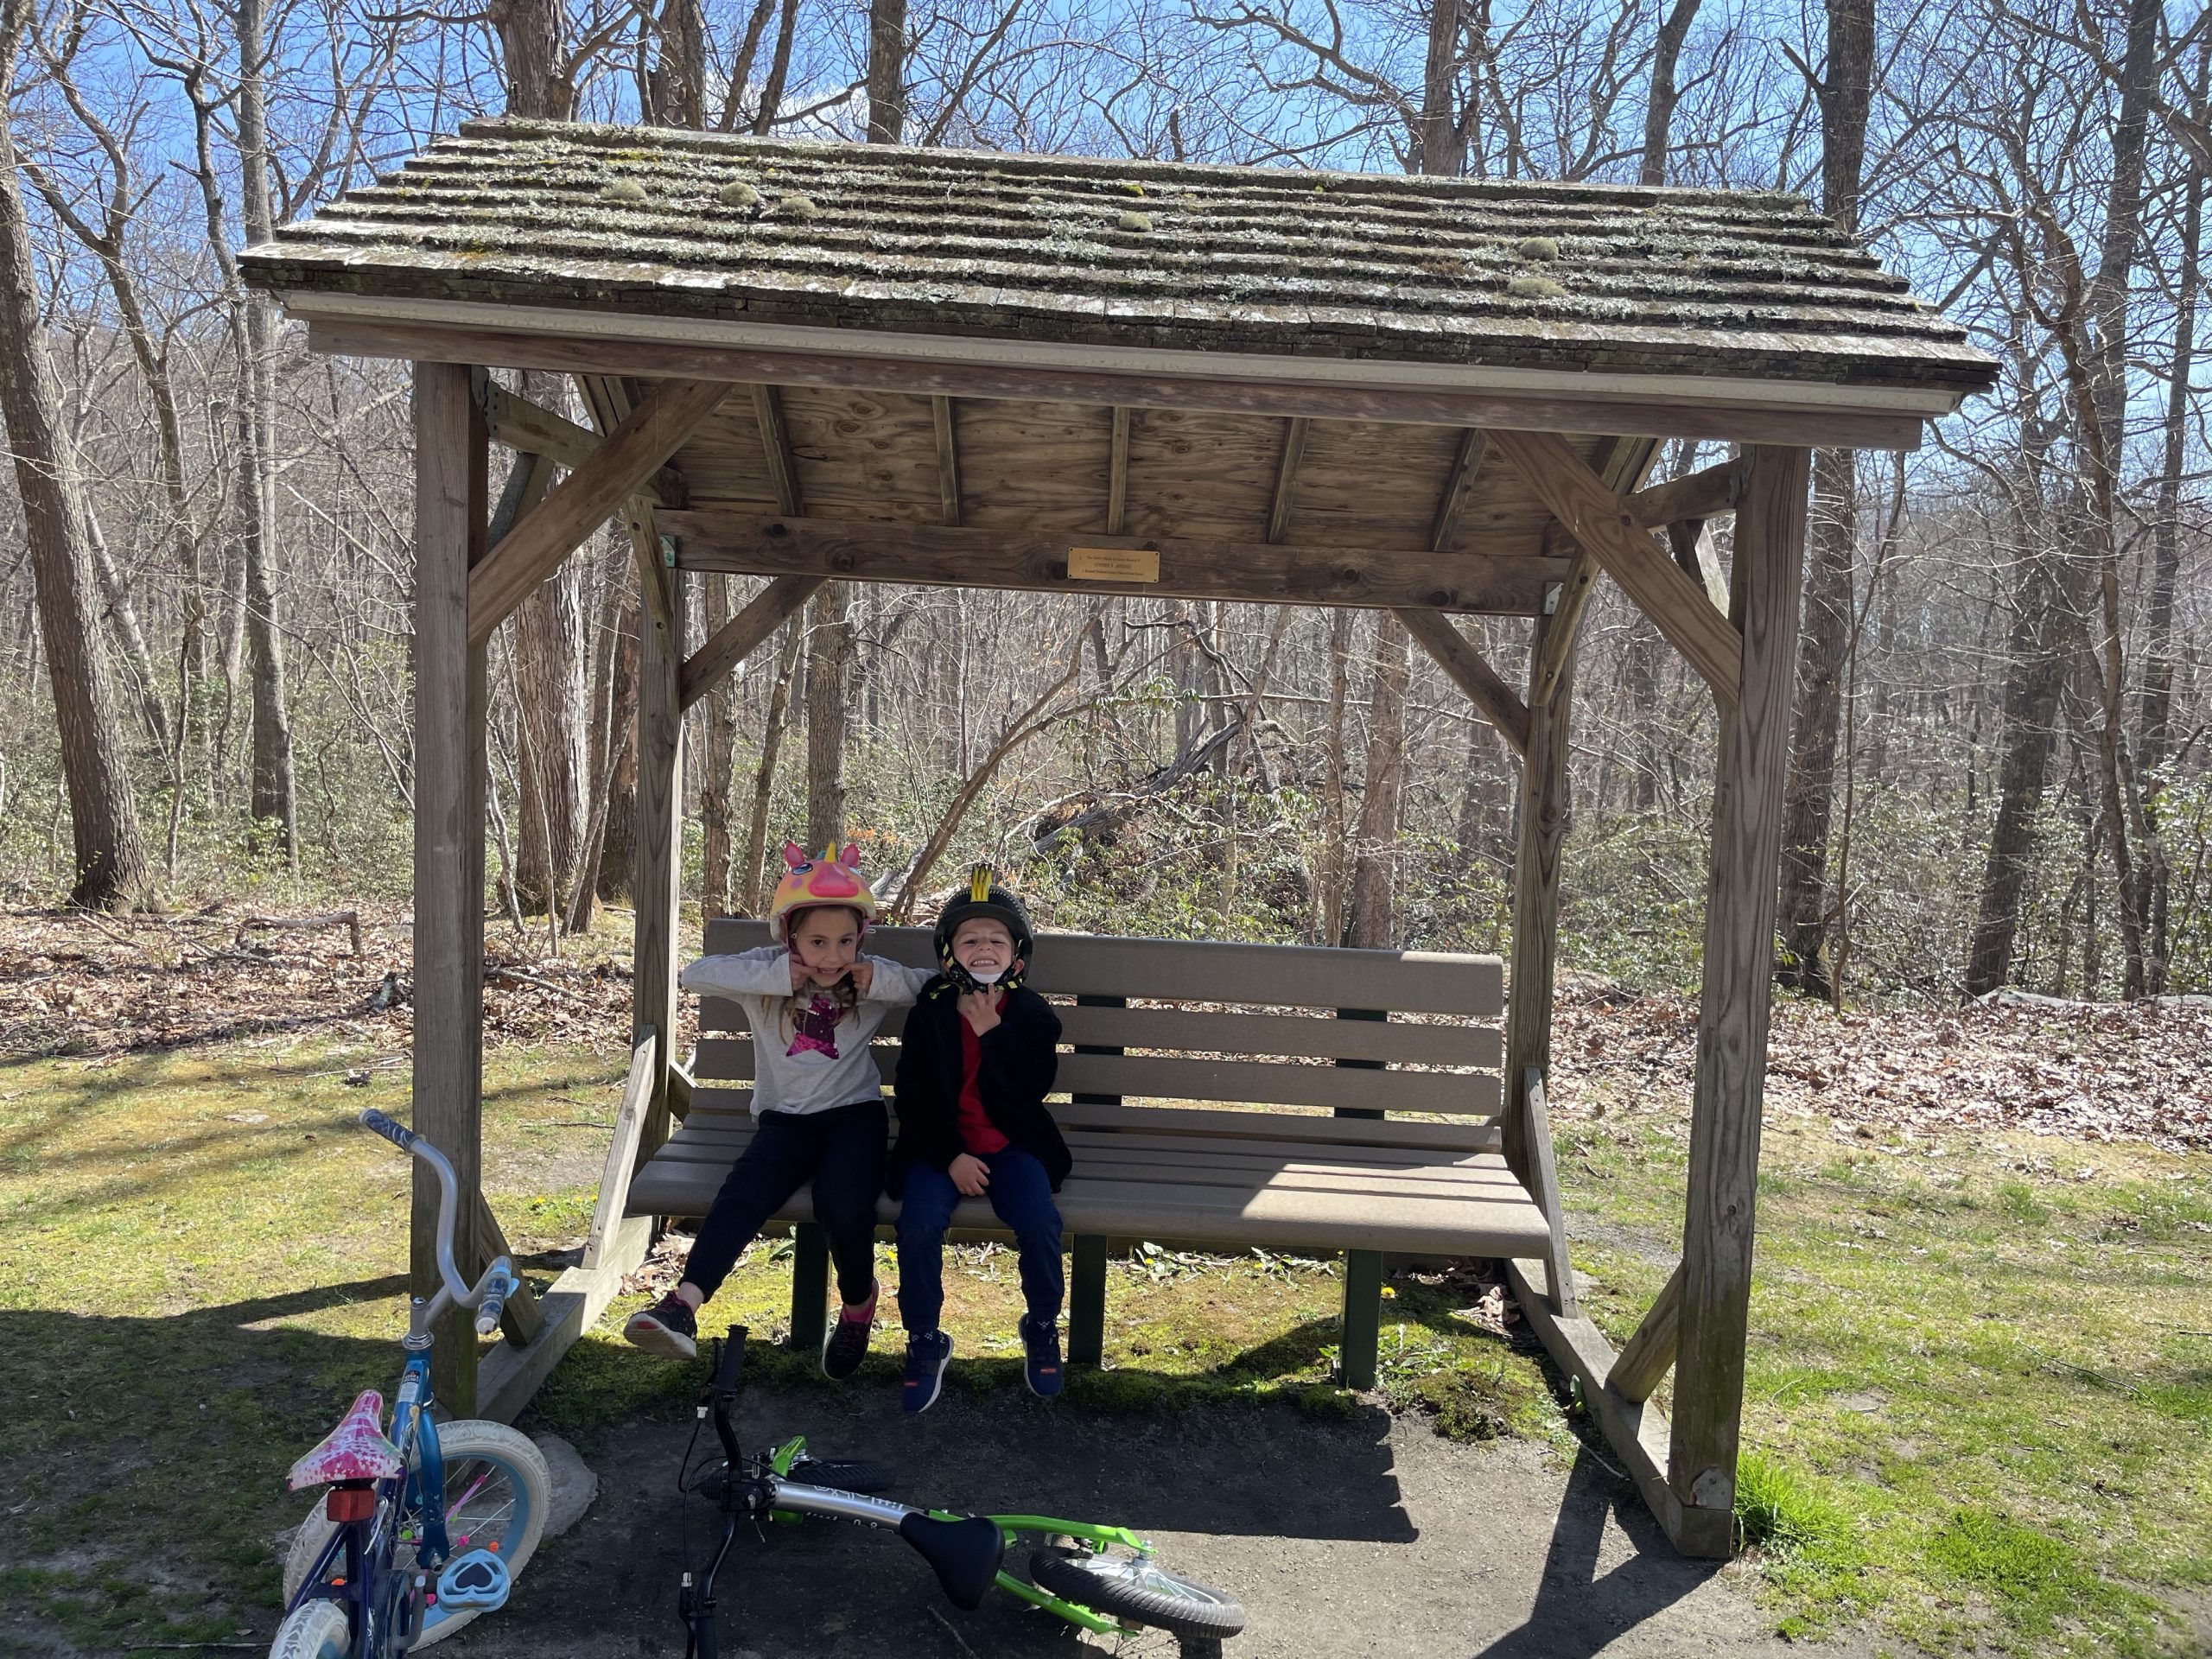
x=590, y=494
x=1117, y=475
x=740, y=637
x=776, y=443
x=611, y=399
x=948, y=459
x=1596, y=518
x=1474, y=444
x=1692, y=540
x=1293, y=449
x=1189, y=569
x=515, y=422
x=1506, y=713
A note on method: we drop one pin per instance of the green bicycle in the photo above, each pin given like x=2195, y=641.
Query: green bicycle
x=1104, y=1579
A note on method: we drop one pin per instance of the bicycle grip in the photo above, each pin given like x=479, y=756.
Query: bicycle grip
x=494, y=1303
x=733, y=1356
x=398, y=1134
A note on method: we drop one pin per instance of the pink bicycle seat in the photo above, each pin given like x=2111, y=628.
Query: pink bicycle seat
x=355, y=1450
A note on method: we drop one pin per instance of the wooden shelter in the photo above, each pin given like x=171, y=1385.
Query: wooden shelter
x=808, y=361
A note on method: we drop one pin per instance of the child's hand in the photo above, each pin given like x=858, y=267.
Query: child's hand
x=863, y=975
x=970, y=1173
x=980, y=1009
x=800, y=978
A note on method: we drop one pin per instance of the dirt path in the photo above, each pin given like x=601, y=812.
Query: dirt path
x=1341, y=1537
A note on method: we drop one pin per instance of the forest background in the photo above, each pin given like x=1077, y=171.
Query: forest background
x=1999, y=772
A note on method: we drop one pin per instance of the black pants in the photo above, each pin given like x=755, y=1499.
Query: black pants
x=842, y=1151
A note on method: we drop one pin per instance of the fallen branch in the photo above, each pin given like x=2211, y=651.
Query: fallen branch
x=348, y=919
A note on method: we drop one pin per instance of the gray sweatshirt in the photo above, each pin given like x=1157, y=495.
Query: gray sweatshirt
x=825, y=1063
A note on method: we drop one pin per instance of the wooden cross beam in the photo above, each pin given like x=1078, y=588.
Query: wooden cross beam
x=948, y=459
x=740, y=637
x=1507, y=714
x=939, y=554
x=1644, y=1361
x=629, y=455
x=515, y=422
x=1701, y=495
x=1602, y=526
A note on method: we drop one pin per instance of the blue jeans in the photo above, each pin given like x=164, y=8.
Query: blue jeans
x=1021, y=1194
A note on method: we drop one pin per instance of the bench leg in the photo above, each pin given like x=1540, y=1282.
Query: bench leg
x=1363, y=1318
x=1087, y=1301
x=810, y=1286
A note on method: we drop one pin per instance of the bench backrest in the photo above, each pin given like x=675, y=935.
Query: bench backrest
x=1316, y=1040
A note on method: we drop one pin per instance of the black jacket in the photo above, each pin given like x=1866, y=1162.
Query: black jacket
x=1016, y=1071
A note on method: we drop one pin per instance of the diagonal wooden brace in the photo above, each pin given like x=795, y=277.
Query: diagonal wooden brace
x=1603, y=526
x=1644, y=1361
x=740, y=637
x=1507, y=714
x=591, y=494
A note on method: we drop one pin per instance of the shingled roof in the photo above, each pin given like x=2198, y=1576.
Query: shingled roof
x=1380, y=268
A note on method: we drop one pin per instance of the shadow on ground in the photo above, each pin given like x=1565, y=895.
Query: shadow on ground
x=1349, y=1536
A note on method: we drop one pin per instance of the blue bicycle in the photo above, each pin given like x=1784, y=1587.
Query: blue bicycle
x=425, y=1524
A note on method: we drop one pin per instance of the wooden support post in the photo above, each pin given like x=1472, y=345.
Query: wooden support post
x=810, y=1287
x=1737, y=1000
x=657, y=856
x=1536, y=901
x=1362, y=1320
x=452, y=487
x=1087, y=1300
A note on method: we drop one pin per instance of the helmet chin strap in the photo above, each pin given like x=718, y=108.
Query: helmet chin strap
x=964, y=982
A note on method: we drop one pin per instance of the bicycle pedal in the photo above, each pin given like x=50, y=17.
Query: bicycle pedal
x=475, y=1582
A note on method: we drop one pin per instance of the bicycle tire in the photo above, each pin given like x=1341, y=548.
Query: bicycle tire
x=315, y=1630
x=1140, y=1591
x=497, y=1491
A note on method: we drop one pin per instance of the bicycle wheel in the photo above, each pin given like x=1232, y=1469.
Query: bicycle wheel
x=497, y=1491
x=1136, y=1589
x=314, y=1630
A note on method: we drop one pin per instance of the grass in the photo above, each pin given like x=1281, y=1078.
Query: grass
x=1976, y=1392
x=1976, y=1397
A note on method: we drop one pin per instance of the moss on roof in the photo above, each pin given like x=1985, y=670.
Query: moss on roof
x=1369, y=266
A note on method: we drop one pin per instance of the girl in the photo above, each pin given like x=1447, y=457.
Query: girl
x=814, y=1003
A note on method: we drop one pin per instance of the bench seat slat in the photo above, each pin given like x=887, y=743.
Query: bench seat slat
x=1290, y=975
x=1174, y=1077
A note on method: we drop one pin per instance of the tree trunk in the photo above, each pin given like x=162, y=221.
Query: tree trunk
x=618, y=850
x=1333, y=871
x=826, y=655
x=1659, y=108
x=1809, y=797
x=1374, y=878
x=717, y=775
x=1442, y=147
x=887, y=71
x=750, y=894
x=110, y=861
x=531, y=47
x=675, y=86
x=550, y=652
x=780, y=68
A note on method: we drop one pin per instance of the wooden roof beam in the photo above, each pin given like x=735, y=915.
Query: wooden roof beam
x=1293, y=449
x=742, y=635
x=1506, y=713
x=872, y=550
x=1707, y=494
x=1474, y=444
x=1117, y=473
x=776, y=442
x=947, y=460
x=1601, y=525
x=585, y=499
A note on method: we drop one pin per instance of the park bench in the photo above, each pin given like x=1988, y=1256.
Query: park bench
x=1351, y=1105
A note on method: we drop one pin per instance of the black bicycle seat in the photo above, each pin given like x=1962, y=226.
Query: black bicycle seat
x=964, y=1553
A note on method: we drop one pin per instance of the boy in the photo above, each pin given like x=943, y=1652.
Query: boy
x=978, y=1059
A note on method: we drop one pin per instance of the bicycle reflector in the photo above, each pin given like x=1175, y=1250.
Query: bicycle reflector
x=351, y=1500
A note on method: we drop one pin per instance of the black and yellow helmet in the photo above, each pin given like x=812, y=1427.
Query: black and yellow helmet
x=983, y=897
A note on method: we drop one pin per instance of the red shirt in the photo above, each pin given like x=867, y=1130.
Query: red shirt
x=978, y=1133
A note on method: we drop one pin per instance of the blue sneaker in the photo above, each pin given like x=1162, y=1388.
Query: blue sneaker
x=927, y=1355
x=1040, y=1343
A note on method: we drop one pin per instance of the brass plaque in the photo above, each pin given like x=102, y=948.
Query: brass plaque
x=1113, y=564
